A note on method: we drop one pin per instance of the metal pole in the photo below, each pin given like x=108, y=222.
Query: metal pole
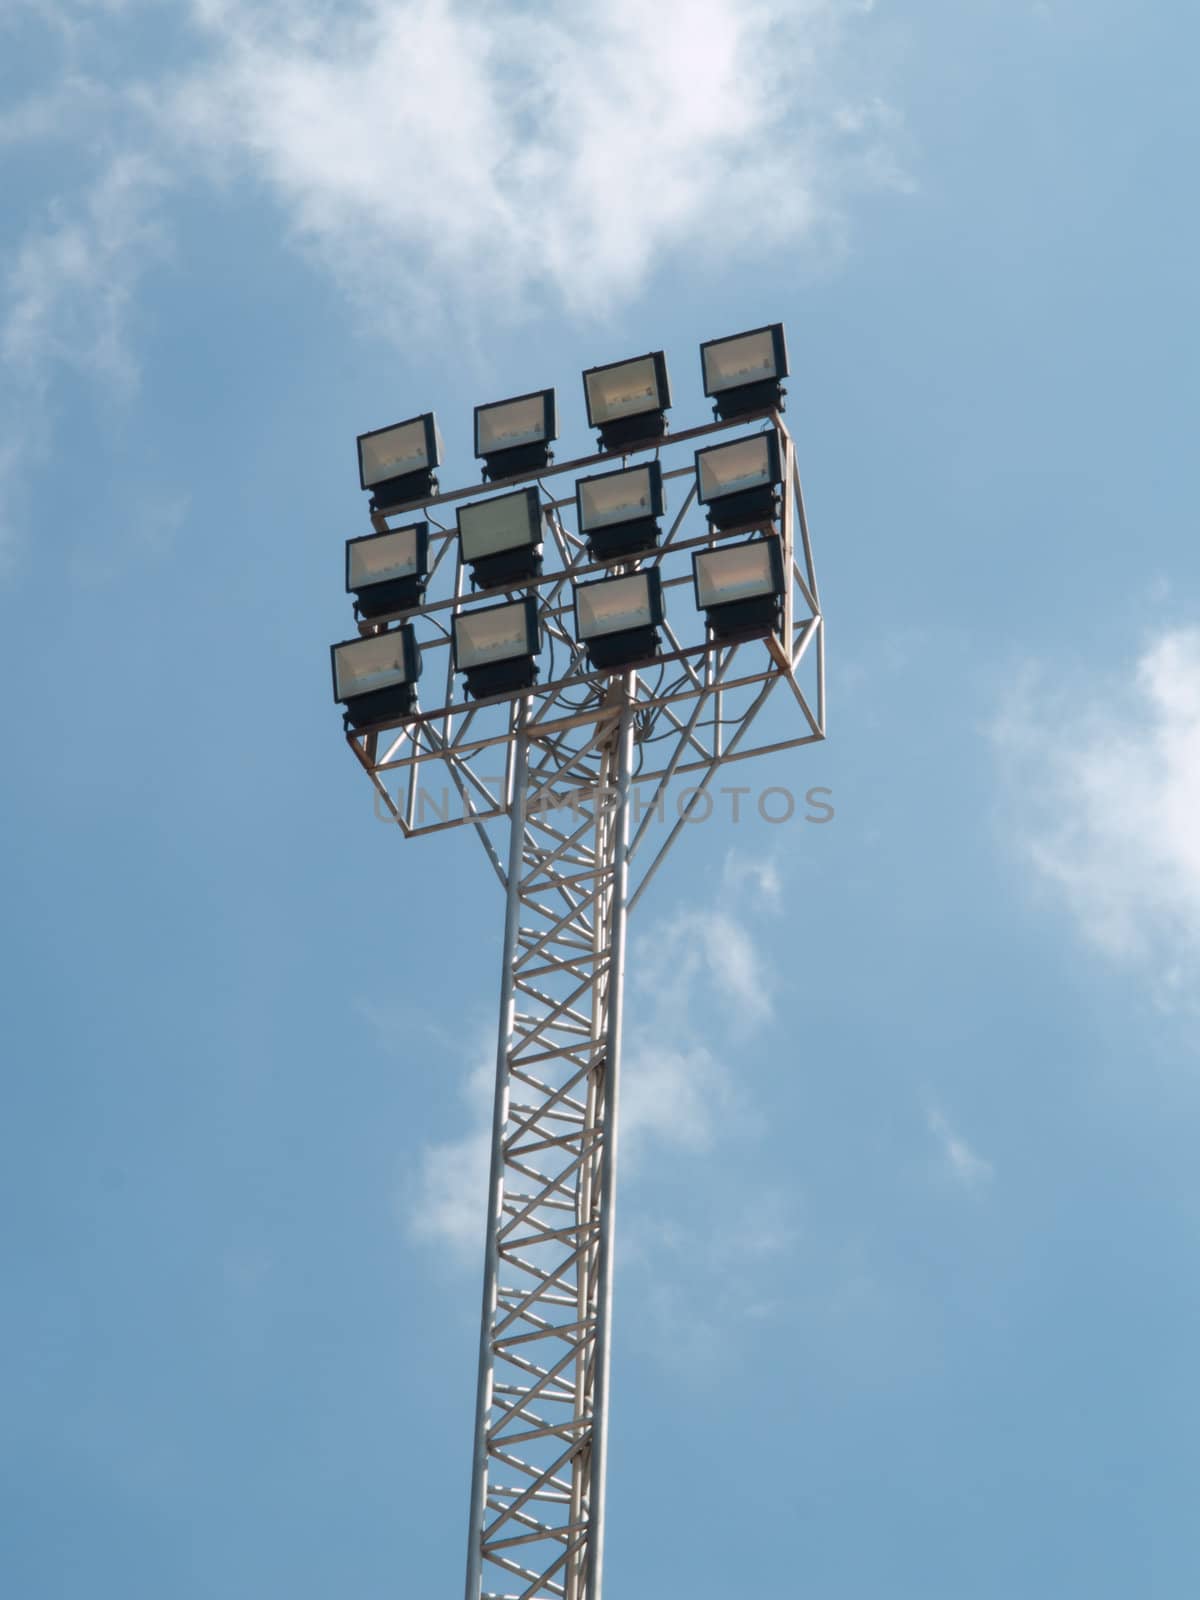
x=491, y=1264
x=608, y=1180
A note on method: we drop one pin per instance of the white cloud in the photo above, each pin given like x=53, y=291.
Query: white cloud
x=962, y=1163
x=445, y=1200
x=710, y=948
x=675, y=1089
x=675, y=1086
x=436, y=150
x=448, y=1202
x=443, y=161
x=70, y=288
x=12, y=463
x=699, y=1280
x=674, y=1094
x=68, y=294
x=760, y=874
x=1105, y=786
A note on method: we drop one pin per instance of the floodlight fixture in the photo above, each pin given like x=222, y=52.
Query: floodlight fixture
x=376, y=678
x=744, y=372
x=617, y=619
x=496, y=646
x=737, y=482
x=387, y=572
x=501, y=538
x=618, y=511
x=515, y=435
x=739, y=587
x=398, y=463
x=627, y=401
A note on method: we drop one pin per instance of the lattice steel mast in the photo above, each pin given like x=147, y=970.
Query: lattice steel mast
x=574, y=849
x=537, y=1506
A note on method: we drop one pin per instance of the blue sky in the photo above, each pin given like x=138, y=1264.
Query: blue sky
x=907, y=1298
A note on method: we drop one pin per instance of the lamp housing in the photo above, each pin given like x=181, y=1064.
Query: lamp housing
x=495, y=646
x=397, y=463
x=618, y=511
x=376, y=678
x=617, y=619
x=738, y=481
x=501, y=538
x=740, y=588
x=387, y=572
x=515, y=435
x=744, y=373
x=627, y=401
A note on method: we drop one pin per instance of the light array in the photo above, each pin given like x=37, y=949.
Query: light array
x=739, y=587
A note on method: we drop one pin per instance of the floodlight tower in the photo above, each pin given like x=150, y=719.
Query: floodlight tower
x=565, y=782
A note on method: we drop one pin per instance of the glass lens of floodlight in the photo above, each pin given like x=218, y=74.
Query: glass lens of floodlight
x=624, y=391
x=386, y=555
x=749, y=358
x=735, y=573
x=501, y=427
x=615, y=497
x=367, y=664
x=505, y=523
x=394, y=451
x=614, y=605
x=496, y=633
x=732, y=467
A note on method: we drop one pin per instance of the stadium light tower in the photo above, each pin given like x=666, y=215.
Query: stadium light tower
x=600, y=664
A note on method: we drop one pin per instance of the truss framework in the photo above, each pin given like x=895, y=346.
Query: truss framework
x=453, y=765
x=538, y=1490
x=575, y=773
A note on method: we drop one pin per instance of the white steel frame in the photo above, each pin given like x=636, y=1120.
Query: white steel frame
x=561, y=769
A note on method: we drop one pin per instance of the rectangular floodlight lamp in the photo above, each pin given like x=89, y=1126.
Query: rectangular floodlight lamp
x=743, y=373
x=617, y=619
x=737, y=481
x=376, y=678
x=627, y=401
x=619, y=511
x=398, y=463
x=495, y=646
x=387, y=572
x=501, y=538
x=740, y=588
x=515, y=435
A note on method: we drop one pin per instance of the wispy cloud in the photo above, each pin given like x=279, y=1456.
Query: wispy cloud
x=66, y=308
x=757, y=873
x=699, y=1283
x=1104, y=785
x=678, y=1087
x=963, y=1164
x=444, y=1200
x=71, y=285
x=437, y=151
x=442, y=162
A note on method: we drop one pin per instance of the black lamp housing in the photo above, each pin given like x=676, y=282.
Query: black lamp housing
x=387, y=572
x=397, y=463
x=738, y=482
x=501, y=538
x=743, y=373
x=617, y=619
x=618, y=511
x=376, y=678
x=513, y=436
x=495, y=646
x=627, y=401
x=739, y=587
